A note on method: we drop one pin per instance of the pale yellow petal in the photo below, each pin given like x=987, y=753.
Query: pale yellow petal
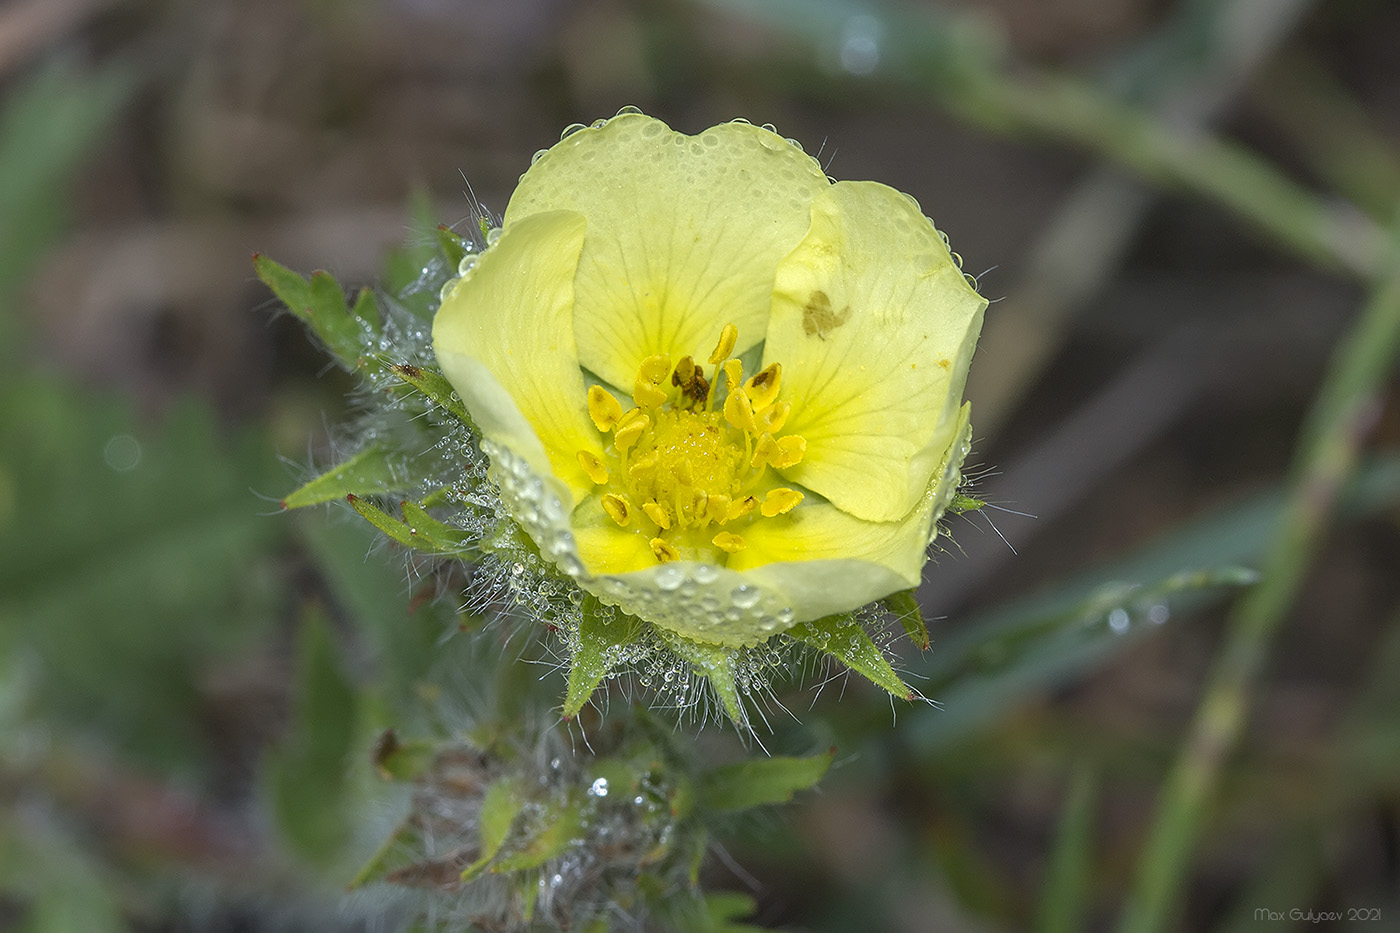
x=874, y=325
x=504, y=338
x=827, y=560
x=684, y=233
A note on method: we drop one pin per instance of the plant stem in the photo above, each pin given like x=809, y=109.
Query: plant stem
x=1327, y=452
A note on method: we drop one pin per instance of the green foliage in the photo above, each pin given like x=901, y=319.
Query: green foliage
x=761, y=781
x=310, y=773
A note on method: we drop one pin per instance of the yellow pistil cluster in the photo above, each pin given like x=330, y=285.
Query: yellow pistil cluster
x=682, y=472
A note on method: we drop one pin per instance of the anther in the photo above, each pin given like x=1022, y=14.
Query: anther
x=603, y=408
x=651, y=374
x=728, y=541
x=762, y=389
x=629, y=430
x=742, y=507
x=774, y=417
x=738, y=411
x=617, y=508
x=593, y=467
x=663, y=550
x=779, y=501
x=657, y=514
x=727, y=338
x=791, y=450
x=717, y=508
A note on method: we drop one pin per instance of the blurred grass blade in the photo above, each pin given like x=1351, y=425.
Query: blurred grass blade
x=1064, y=896
x=309, y=775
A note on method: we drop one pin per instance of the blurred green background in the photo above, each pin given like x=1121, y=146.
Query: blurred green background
x=1180, y=209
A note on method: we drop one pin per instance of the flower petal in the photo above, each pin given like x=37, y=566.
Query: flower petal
x=874, y=325
x=684, y=233
x=504, y=339
x=829, y=561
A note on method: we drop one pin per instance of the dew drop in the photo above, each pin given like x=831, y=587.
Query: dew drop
x=1118, y=620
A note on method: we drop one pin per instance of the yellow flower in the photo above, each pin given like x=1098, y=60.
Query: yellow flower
x=719, y=391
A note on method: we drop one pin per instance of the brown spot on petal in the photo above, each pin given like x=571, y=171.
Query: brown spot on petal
x=818, y=318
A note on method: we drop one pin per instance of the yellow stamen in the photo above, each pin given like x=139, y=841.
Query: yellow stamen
x=593, y=467
x=738, y=411
x=742, y=507
x=762, y=389
x=603, y=408
x=663, y=550
x=727, y=338
x=717, y=508
x=629, y=430
x=657, y=514
x=791, y=450
x=651, y=374
x=778, y=501
x=728, y=541
x=617, y=508
x=774, y=417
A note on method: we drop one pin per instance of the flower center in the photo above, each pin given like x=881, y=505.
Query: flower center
x=681, y=471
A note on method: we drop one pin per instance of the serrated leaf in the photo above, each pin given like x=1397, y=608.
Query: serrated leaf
x=601, y=633
x=560, y=827
x=309, y=774
x=499, y=808
x=760, y=781
x=905, y=607
x=846, y=640
x=367, y=473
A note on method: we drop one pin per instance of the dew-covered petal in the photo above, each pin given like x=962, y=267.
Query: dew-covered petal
x=684, y=233
x=504, y=338
x=874, y=325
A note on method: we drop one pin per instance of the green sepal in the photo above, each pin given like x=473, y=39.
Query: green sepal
x=417, y=529
x=499, y=808
x=433, y=385
x=761, y=781
x=905, y=607
x=846, y=640
x=366, y=473
x=561, y=825
x=716, y=664
x=454, y=248
x=598, y=641
x=320, y=302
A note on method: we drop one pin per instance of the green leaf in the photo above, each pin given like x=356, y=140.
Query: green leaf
x=760, y=781
x=453, y=247
x=904, y=606
x=367, y=473
x=601, y=634
x=558, y=830
x=310, y=772
x=846, y=640
x=499, y=808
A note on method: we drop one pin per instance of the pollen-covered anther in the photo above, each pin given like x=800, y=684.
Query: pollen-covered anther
x=657, y=513
x=738, y=411
x=728, y=336
x=774, y=417
x=651, y=374
x=762, y=389
x=605, y=410
x=593, y=467
x=629, y=429
x=663, y=550
x=728, y=541
x=617, y=508
x=741, y=507
x=717, y=508
x=779, y=501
